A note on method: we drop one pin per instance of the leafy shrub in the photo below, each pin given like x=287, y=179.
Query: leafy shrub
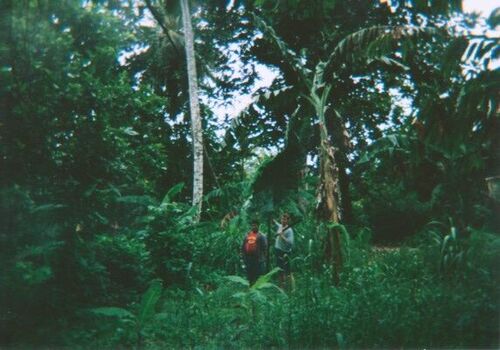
x=31, y=242
x=394, y=213
x=393, y=298
x=114, y=267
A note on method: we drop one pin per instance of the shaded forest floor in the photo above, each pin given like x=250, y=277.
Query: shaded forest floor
x=389, y=297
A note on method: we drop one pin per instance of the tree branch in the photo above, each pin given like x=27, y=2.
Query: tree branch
x=157, y=16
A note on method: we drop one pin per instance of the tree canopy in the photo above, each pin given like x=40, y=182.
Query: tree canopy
x=378, y=134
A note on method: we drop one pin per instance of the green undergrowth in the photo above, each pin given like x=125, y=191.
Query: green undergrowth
x=398, y=298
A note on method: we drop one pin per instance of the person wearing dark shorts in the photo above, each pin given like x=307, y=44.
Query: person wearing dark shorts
x=254, y=252
x=283, y=261
x=283, y=247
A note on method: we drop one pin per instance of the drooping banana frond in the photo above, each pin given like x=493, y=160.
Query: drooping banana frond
x=356, y=41
x=388, y=62
x=376, y=42
x=296, y=63
x=260, y=97
x=278, y=175
x=278, y=178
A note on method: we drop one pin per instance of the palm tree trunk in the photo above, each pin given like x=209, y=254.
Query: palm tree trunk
x=196, y=128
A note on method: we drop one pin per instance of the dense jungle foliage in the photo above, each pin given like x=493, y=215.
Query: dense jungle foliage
x=379, y=131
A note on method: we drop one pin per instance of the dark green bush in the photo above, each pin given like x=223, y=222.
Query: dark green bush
x=393, y=298
x=394, y=213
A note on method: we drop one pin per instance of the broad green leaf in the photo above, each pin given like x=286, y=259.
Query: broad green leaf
x=364, y=158
x=90, y=191
x=47, y=207
x=101, y=218
x=258, y=296
x=149, y=301
x=142, y=200
x=40, y=249
x=262, y=280
x=269, y=285
x=112, y=312
x=240, y=295
x=237, y=279
x=172, y=193
x=394, y=140
x=161, y=316
x=130, y=131
x=115, y=190
x=340, y=340
x=392, y=62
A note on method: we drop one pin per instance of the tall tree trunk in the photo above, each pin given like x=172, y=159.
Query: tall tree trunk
x=196, y=128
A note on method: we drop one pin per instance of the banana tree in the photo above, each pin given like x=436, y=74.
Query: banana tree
x=371, y=44
x=328, y=193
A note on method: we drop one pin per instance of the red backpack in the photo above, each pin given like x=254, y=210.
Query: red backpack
x=251, y=243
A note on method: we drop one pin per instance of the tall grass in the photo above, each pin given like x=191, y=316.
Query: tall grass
x=396, y=298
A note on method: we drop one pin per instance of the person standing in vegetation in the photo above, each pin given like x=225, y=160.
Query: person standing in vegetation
x=254, y=252
x=283, y=247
